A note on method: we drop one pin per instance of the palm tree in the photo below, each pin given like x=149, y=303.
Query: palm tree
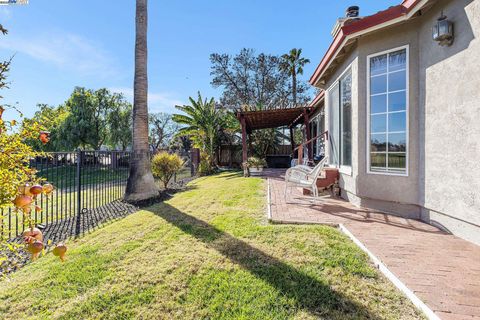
x=293, y=65
x=203, y=121
x=140, y=185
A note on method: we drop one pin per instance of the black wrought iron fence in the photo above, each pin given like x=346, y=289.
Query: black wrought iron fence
x=83, y=181
x=88, y=188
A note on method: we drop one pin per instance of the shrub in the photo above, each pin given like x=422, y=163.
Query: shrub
x=165, y=165
x=205, y=166
x=254, y=162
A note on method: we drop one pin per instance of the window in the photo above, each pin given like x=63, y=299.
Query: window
x=387, y=109
x=340, y=131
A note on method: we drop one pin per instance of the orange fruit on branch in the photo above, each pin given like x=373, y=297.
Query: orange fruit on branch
x=34, y=233
x=22, y=201
x=60, y=250
x=36, y=189
x=35, y=247
x=47, y=188
x=44, y=137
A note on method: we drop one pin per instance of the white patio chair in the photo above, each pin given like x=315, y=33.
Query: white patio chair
x=302, y=176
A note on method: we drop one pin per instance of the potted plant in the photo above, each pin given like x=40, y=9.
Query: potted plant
x=255, y=165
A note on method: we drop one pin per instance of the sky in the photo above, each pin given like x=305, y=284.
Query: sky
x=60, y=44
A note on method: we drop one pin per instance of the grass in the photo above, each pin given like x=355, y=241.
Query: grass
x=207, y=253
x=63, y=176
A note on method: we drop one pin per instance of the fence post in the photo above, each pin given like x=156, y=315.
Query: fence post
x=78, y=183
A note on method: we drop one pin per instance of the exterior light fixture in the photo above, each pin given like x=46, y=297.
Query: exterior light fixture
x=443, y=31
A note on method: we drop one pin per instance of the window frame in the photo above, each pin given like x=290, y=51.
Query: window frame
x=407, y=113
x=317, y=119
x=344, y=169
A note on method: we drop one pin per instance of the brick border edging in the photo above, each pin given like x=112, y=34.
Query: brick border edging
x=376, y=261
x=269, y=210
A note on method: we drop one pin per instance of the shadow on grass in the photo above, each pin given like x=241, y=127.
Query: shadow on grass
x=309, y=293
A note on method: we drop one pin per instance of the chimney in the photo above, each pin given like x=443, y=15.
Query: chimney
x=351, y=14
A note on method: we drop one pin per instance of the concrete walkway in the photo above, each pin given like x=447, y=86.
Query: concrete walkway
x=440, y=269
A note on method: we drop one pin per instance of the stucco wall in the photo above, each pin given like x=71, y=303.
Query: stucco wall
x=398, y=189
x=443, y=182
x=450, y=98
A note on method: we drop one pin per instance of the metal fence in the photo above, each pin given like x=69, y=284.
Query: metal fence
x=83, y=181
x=88, y=188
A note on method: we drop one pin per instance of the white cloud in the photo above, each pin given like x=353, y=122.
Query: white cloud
x=64, y=50
x=157, y=101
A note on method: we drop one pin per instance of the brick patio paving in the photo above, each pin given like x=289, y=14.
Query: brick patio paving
x=441, y=269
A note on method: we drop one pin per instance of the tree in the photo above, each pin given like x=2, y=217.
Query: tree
x=140, y=184
x=162, y=130
x=52, y=119
x=203, y=120
x=15, y=173
x=85, y=125
x=119, y=122
x=180, y=143
x=293, y=64
x=253, y=80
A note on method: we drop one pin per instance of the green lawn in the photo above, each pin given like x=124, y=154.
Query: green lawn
x=63, y=177
x=207, y=253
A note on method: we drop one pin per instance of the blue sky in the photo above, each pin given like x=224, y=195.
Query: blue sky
x=60, y=44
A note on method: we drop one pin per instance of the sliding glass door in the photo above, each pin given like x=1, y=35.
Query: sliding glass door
x=340, y=121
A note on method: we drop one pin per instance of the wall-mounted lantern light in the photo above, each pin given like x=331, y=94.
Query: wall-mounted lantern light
x=443, y=31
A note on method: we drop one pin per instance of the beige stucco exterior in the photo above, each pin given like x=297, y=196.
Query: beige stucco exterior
x=443, y=182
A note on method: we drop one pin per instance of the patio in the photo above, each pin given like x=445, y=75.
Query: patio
x=442, y=270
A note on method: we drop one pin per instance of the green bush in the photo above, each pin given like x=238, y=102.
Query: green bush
x=205, y=166
x=165, y=165
x=254, y=162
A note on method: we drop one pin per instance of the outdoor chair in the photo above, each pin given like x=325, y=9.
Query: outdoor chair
x=302, y=176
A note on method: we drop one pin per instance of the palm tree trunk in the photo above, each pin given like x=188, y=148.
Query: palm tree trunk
x=140, y=185
x=294, y=88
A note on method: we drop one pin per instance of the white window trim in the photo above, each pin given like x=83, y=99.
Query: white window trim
x=347, y=170
x=407, y=100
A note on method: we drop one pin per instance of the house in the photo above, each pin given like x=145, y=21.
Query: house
x=402, y=111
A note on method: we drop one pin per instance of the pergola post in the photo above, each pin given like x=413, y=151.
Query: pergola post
x=244, y=139
x=306, y=118
x=292, y=142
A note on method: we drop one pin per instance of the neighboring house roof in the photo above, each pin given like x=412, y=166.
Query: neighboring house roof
x=364, y=25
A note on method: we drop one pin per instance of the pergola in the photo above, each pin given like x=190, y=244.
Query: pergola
x=273, y=118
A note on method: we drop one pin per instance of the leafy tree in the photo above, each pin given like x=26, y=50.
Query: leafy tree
x=180, y=143
x=140, y=185
x=120, y=125
x=293, y=64
x=203, y=121
x=52, y=119
x=165, y=165
x=162, y=130
x=96, y=118
x=253, y=80
x=85, y=126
